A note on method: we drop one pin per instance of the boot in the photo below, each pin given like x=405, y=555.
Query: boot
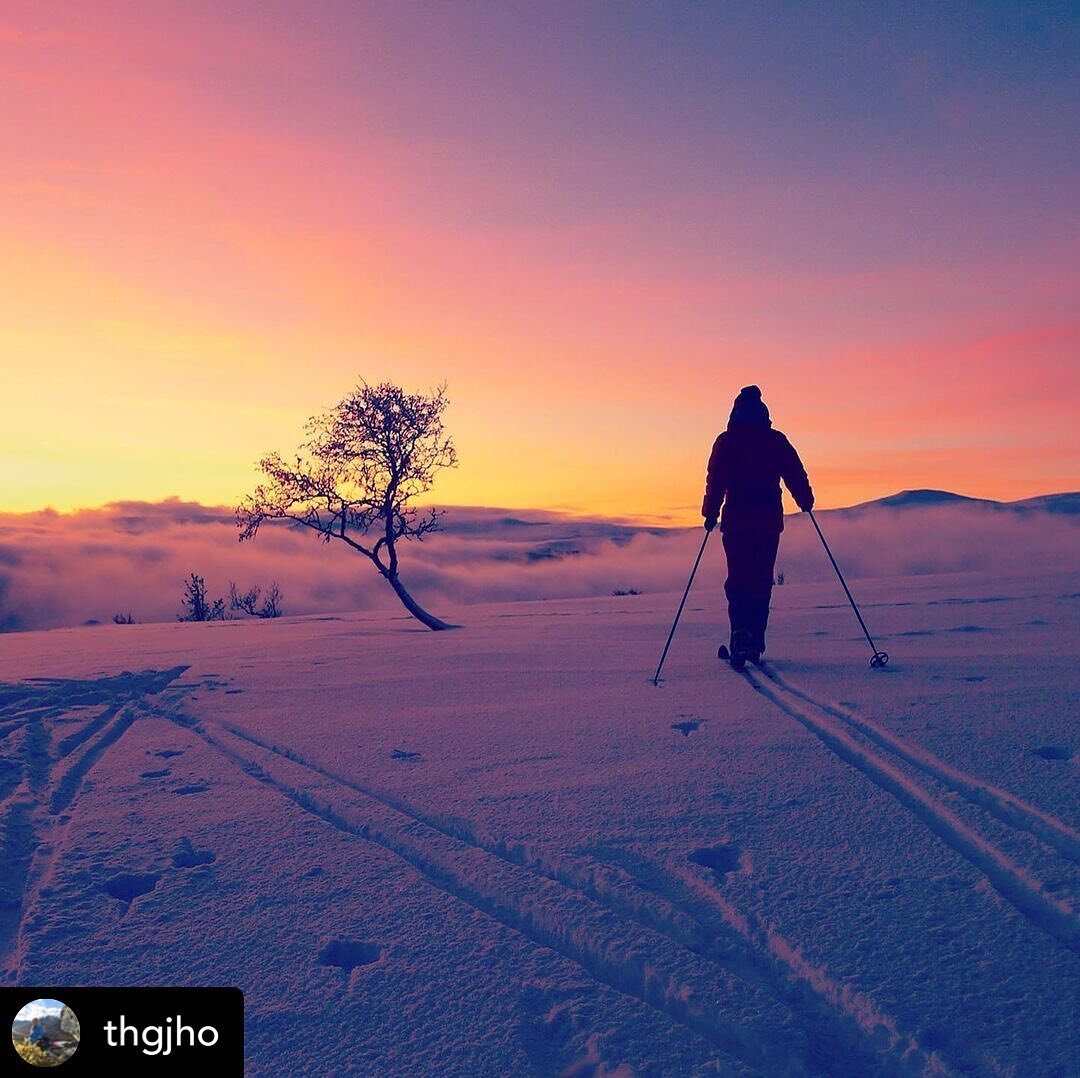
x=742, y=649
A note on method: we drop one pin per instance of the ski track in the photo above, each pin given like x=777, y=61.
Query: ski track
x=1018, y=886
x=644, y=966
x=33, y=822
x=670, y=960
x=694, y=894
x=1005, y=806
x=70, y=782
x=673, y=957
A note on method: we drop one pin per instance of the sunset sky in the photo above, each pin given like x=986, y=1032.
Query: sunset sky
x=594, y=221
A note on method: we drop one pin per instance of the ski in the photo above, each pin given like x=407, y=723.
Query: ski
x=739, y=664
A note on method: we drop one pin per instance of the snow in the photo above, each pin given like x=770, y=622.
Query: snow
x=502, y=850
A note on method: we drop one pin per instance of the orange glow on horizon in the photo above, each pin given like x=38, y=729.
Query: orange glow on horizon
x=195, y=267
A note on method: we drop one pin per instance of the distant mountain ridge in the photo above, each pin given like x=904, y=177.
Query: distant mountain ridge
x=1065, y=503
x=475, y=520
x=141, y=517
x=545, y=536
x=1051, y=503
x=53, y=1025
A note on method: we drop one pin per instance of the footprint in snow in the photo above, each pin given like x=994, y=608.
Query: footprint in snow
x=130, y=885
x=721, y=859
x=404, y=754
x=686, y=728
x=167, y=754
x=1053, y=752
x=347, y=954
x=194, y=788
x=156, y=774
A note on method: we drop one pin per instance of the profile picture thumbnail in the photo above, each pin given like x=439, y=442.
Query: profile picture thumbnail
x=45, y=1033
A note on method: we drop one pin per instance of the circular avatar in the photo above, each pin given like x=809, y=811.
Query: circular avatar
x=45, y=1033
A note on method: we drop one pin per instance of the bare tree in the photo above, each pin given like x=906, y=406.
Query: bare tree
x=363, y=463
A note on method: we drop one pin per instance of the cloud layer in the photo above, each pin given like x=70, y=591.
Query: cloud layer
x=133, y=557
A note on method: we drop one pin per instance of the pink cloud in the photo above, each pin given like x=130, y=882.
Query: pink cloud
x=65, y=569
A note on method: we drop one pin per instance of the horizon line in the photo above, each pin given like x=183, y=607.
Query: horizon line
x=653, y=520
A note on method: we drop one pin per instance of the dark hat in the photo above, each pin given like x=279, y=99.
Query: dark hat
x=750, y=408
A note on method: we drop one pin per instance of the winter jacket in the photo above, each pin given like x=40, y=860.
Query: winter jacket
x=748, y=461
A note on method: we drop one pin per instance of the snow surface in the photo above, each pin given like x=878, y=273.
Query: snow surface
x=502, y=850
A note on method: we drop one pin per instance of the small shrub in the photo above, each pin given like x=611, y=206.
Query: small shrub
x=34, y=1055
x=243, y=602
x=779, y=578
x=271, y=607
x=197, y=607
x=247, y=602
x=123, y=619
x=626, y=591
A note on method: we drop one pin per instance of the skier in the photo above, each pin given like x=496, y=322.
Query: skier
x=748, y=461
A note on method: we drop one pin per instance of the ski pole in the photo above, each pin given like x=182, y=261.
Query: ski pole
x=678, y=614
x=880, y=658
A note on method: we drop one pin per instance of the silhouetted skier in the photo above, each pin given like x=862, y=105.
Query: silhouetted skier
x=747, y=463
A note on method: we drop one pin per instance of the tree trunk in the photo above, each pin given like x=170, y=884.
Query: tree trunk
x=414, y=607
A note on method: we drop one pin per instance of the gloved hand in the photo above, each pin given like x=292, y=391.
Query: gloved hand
x=807, y=506
x=710, y=523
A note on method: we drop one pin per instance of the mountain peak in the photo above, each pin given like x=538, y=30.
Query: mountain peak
x=926, y=497
x=1067, y=503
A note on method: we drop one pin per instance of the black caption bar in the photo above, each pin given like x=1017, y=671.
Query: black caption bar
x=122, y=1031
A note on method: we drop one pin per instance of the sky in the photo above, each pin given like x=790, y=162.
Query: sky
x=39, y=1008
x=594, y=222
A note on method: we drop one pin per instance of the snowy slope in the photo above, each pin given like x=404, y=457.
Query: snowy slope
x=503, y=851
